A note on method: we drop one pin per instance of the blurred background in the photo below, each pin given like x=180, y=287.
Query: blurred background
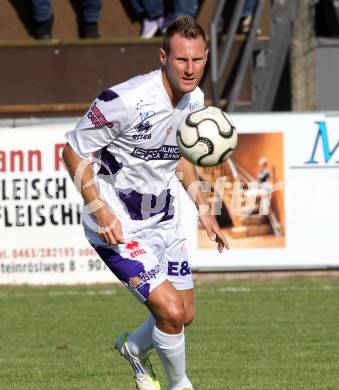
x=278, y=57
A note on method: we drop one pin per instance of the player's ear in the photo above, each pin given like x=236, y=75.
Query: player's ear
x=206, y=55
x=163, y=57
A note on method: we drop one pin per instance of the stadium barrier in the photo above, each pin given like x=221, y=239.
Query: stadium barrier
x=291, y=221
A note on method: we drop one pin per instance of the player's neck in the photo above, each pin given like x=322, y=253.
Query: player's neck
x=173, y=95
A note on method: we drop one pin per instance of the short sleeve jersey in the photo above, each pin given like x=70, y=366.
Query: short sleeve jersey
x=130, y=133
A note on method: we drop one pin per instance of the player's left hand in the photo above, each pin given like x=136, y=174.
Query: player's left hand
x=213, y=230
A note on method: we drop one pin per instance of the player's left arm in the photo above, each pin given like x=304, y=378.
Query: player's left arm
x=192, y=184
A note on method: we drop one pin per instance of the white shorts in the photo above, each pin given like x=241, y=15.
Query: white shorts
x=148, y=258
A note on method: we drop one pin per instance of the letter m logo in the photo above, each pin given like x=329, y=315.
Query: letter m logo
x=323, y=137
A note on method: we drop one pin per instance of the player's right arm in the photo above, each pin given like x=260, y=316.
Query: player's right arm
x=97, y=129
x=81, y=172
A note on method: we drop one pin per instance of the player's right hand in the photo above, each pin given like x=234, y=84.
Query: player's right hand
x=109, y=226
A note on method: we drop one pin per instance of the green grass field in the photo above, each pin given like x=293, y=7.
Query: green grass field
x=247, y=335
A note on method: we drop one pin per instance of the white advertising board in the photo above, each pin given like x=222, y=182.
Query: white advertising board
x=310, y=195
x=41, y=237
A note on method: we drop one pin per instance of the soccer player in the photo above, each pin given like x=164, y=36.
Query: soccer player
x=123, y=156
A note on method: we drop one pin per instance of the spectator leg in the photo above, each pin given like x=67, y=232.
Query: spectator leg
x=42, y=10
x=249, y=8
x=43, y=18
x=91, y=10
x=185, y=7
x=154, y=9
x=137, y=7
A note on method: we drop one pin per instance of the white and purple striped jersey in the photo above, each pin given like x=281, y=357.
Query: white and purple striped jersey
x=130, y=131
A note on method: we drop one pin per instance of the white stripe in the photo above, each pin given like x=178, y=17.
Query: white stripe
x=137, y=367
x=140, y=368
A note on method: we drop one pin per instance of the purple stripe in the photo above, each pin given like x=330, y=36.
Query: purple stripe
x=108, y=95
x=110, y=165
x=143, y=206
x=124, y=268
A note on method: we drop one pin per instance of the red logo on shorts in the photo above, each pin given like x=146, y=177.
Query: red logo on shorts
x=133, y=247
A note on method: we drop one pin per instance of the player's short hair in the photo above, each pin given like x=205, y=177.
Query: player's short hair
x=185, y=26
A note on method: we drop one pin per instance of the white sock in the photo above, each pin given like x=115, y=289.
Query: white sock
x=171, y=350
x=140, y=341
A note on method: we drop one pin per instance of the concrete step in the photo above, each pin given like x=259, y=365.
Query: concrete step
x=250, y=231
x=74, y=71
x=70, y=71
x=253, y=219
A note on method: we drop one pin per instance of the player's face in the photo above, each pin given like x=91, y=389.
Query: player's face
x=185, y=63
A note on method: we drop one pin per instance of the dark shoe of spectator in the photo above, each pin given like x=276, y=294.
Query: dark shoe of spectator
x=43, y=30
x=90, y=30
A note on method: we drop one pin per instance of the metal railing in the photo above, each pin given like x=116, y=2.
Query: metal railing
x=266, y=78
x=239, y=172
x=217, y=67
x=218, y=64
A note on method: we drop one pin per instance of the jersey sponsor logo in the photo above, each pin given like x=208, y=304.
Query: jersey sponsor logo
x=146, y=115
x=143, y=127
x=177, y=268
x=142, y=136
x=132, y=245
x=135, y=250
x=141, y=280
x=151, y=274
x=166, y=152
x=98, y=118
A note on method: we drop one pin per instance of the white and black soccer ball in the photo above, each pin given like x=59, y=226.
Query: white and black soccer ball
x=206, y=137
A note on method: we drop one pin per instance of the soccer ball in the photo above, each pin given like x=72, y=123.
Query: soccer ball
x=206, y=137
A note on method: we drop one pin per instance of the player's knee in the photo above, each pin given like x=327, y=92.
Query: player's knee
x=175, y=315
